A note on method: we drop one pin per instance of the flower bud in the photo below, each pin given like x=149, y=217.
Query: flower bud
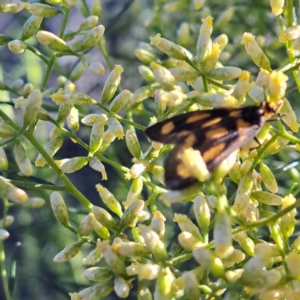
x=245, y=242
x=185, y=224
x=277, y=7
x=137, y=169
x=89, y=23
x=51, y=148
x=174, y=6
x=111, y=84
x=225, y=73
x=17, y=46
x=183, y=34
x=224, y=18
x=222, y=235
x=168, y=47
x=72, y=120
x=30, y=27
x=77, y=72
x=4, y=234
x=235, y=257
x=277, y=236
x=191, y=289
x=188, y=241
x=289, y=116
x=202, y=213
x=266, y=198
x=35, y=202
x=217, y=100
x=12, y=193
x=115, y=127
x=131, y=249
x=154, y=244
x=52, y=41
x=68, y=253
x=243, y=193
x=204, y=43
x=255, y=52
x=194, y=165
x=101, y=231
x=22, y=159
x=290, y=33
x=92, y=65
x=12, y=8
x=90, y=39
x=3, y=160
x=121, y=287
x=6, y=131
x=209, y=261
x=95, y=255
x=144, y=293
x=163, y=76
x=130, y=216
x=97, y=165
x=108, y=138
x=158, y=172
x=17, y=84
x=288, y=222
x=59, y=209
x=268, y=178
x=133, y=144
x=105, y=218
x=8, y=221
x=134, y=192
x=71, y=165
x=73, y=98
x=120, y=101
x=96, y=8
x=86, y=226
x=148, y=271
x=185, y=73
x=141, y=94
x=158, y=223
x=146, y=73
x=32, y=107
x=109, y=200
x=164, y=284
x=277, y=85
x=97, y=273
x=69, y=3
x=114, y=261
x=293, y=263
x=42, y=10
x=145, y=53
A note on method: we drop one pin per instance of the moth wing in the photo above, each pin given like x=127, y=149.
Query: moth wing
x=213, y=151
x=175, y=129
x=177, y=175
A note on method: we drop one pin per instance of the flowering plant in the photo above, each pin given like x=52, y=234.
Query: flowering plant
x=231, y=236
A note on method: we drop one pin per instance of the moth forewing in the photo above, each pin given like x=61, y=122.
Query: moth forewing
x=210, y=136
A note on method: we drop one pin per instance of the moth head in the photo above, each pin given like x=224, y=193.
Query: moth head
x=271, y=108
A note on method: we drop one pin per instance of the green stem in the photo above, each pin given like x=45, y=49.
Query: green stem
x=64, y=22
x=69, y=186
x=48, y=72
x=269, y=220
x=119, y=118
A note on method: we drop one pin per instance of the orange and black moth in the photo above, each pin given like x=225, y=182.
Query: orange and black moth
x=214, y=133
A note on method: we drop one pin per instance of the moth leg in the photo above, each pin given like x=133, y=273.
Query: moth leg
x=254, y=148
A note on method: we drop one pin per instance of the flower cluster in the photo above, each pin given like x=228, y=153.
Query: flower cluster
x=213, y=243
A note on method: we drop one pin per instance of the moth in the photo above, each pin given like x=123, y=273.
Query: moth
x=215, y=133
